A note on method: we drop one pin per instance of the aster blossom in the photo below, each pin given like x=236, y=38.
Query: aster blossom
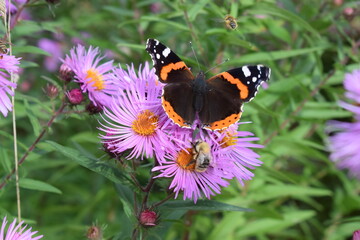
x=344, y=144
x=135, y=120
x=230, y=156
x=94, y=78
x=8, y=65
x=17, y=232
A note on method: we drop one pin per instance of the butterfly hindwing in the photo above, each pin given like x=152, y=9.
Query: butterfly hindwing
x=177, y=103
x=226, y=93
x=248, y=78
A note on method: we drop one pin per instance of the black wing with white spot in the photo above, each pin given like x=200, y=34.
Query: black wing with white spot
x=168, y=66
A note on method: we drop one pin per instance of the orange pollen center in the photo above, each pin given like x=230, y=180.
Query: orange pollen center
x=145, y=124
x=228, y=140
x=95, y=79
x=184, y=159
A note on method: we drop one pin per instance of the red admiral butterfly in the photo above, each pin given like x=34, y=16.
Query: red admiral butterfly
x=217, y=102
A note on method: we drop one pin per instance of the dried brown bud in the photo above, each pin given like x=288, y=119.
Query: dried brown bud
x=66, y=74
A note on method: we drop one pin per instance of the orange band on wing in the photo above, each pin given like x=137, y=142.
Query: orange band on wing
x=225, y=123
x=172, y=114
x=244, y=91
x=170, y=67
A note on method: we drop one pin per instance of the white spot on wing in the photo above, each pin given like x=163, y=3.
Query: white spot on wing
x=254, y=79
x=158, y=56
x=166, y=52
x=246, y=71
x=156, y=42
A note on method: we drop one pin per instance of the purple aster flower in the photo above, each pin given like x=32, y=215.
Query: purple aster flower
x=93, y=77
x=352, y=85
x=229, y=156
x=8, y=64
x=356, y=235
x=135, y=119
x=54, y=48
x=345, y=146
x=17, y=232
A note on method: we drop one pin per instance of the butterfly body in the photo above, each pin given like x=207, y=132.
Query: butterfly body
x=217, y=102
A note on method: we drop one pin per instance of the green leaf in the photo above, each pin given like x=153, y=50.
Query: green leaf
x=196, y=8
x=166, y=21
x=272, y=9
x=203, y=205
x=5, y=160
x=38, y=185
x=266, y=225
x=102, y=168
x=33, y=119
x=17, y=50
x=285, y=190
x=127, y=199
x=274, y=55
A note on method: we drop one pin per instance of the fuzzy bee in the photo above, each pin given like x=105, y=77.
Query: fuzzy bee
x=230, y=22
x=3, y=48
x=201, y=156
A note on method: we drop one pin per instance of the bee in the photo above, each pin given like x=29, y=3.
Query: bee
x=230, y=22
x=3, y=48
x=201, y=156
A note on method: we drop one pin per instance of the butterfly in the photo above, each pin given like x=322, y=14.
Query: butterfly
x=217, y=102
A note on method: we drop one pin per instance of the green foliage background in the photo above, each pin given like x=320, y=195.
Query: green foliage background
x=298, y=193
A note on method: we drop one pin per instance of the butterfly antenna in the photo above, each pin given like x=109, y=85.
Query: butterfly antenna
x=217, y=65
x=192, y=49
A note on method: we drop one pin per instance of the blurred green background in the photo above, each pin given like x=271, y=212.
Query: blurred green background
x=298, y=193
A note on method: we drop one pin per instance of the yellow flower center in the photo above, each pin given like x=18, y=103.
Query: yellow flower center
x=145, y=124
x=184, y=158
x=95, y=78
x=228, y=140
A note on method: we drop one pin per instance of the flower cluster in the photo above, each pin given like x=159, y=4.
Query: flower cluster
x=135, y=126
x=8, y=65
x=16, y=232
x=344, y=144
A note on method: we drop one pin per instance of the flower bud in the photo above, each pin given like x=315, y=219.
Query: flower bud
x=51, y=91
x=75, y=96
x=66, y=74
x=148, y=218
x=92, y=109
x=94, y=233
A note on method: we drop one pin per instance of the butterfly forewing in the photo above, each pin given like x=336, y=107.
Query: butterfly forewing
x=168, y=66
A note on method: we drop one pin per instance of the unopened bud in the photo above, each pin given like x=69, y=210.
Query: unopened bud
x=94, y=233
x=148, y=218
x=75, y=96
x=66, y=74
x=51, y=91
x=92, y=109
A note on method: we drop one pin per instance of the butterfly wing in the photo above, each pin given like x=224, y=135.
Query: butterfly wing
x=168, y=66
x=226, y=93
x=178, y=92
